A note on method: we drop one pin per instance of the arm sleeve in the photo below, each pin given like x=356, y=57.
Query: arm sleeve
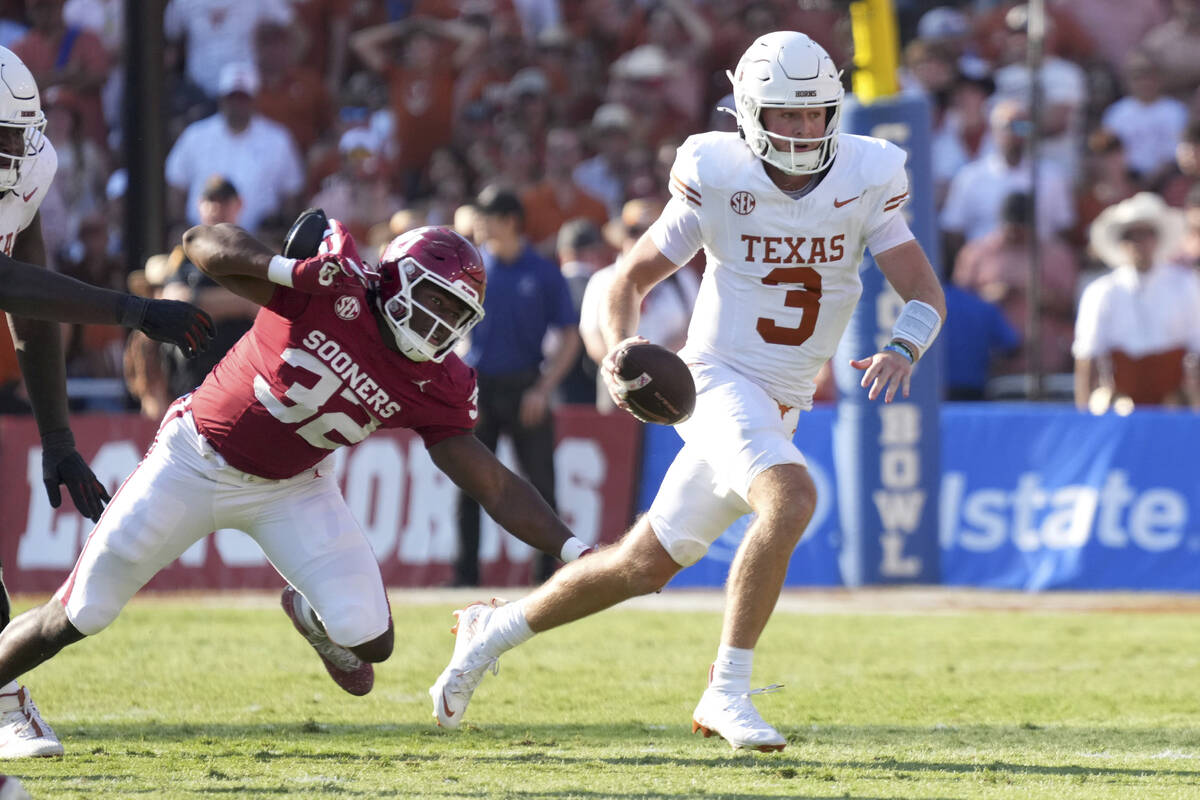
x=676, y=233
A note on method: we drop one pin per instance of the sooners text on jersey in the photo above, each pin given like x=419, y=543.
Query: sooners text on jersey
x=314, y=374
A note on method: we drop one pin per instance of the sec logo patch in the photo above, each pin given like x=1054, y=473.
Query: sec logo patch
x=347, y=307
x=742, y=203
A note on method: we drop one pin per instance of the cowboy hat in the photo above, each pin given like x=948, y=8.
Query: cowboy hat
x=1144, y=208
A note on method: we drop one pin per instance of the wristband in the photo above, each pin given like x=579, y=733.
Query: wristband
x=280, y=270
x=133, y=311
x=902, y=349
x=572, y=549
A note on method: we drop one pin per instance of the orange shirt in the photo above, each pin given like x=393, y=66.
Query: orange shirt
x=423, y=107
x=544, y=216
x=299, y=102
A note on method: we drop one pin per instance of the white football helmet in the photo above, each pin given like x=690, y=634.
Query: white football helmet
x=785, y=69
x=22, y=123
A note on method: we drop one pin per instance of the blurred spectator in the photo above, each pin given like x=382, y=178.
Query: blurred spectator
x=145, y=362
x=79, y=185
x=643, y=81
x=1065, y=39
x=527, y=103
x=451, y=187
x=256, y=154
x=359, y=193
x=603, y=175
x=67, y=57
x=556, y=198
x=518, y=164
x=1189, y=249
x=679, y=33
x=1148, y=123
x=666, y=309
x=326, y=25
x=1136, y=337
x=950, y=29
x=94, y=351
x=581, y=251
x=1187, y=165
x=1175, y=45
x=420, y=59
x=995, y=267
x=219, y=201
x=929, y=69
x=290, y=92
x=105, y=18
x=962, y=133
x=1064, y=92
x=978, y=190
x=977, y=331
x=216, y=33
x=1115, y=26
x=1107, y=179
x=527, y=298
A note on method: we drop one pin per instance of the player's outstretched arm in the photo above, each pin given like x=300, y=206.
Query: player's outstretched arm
x=246, y=266
x=911, y=275
x=30, y=292
x=508, y=498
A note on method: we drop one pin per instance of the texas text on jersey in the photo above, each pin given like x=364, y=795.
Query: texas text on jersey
x=314, y=374
x=782, y=277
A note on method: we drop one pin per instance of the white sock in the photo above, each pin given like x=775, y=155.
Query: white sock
x=730, y=672
x=506, y=629
x=308, y=614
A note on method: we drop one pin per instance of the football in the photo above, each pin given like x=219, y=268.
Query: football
x=661, y=388
x=305, y=235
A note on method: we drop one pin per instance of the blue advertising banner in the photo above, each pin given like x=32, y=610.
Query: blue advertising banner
x=1048, y=498
x=887, y=455
x=1032, y=498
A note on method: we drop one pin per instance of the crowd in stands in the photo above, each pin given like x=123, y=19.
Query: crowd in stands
x=395, y=114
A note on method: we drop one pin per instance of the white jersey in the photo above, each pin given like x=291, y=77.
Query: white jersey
x=19, y=205
x=782, y=277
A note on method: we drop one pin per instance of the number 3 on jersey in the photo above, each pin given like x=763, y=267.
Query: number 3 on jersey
x=307, y=402
x=806, y=297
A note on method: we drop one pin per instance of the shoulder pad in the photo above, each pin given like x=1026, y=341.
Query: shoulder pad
x=707, y=159
x=877, y=161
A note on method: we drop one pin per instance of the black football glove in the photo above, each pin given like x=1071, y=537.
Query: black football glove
x=170, y=321
x=61, y=463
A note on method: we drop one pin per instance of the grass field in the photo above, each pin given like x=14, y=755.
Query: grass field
x=219, y=698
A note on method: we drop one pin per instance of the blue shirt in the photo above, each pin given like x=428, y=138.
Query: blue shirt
x=524, y=298
x=975, y=329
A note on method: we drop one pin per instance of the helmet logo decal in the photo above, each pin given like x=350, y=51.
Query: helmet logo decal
x=742, y=203
x=347, y=307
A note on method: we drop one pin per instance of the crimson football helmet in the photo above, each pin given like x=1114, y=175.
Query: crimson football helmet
x=434, y=256
x=22, y=123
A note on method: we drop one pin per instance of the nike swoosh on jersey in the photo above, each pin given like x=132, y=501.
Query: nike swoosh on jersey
x=839, y=203
x=26, y=197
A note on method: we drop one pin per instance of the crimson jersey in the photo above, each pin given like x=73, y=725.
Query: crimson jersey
x=315, y=374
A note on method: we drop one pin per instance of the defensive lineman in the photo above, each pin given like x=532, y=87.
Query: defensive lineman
x=336, y=353
x=37, y=300
x=783, y=211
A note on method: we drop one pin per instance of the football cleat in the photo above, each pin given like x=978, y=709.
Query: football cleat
x=23, y=732
x=347, y=670
x=733, y=717
x=453, y=689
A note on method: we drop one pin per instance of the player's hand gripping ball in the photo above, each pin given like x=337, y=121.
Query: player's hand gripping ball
x=656, y=385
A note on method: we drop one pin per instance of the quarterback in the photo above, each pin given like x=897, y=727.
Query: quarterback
x=784, y=210
x=336, y=352
x=36, y=301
